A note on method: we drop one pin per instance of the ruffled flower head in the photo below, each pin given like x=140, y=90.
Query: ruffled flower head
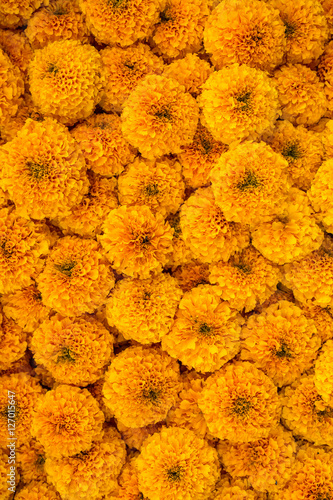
x=38, y=490
x=320, y=194
x=191, y=71
x=12, y=343
x=11, y=87
x=323, y=373
x=239, y=102
x=16, y=45
x=191, y=275
x=31, y=461
x=14, y=13
x=322, y=318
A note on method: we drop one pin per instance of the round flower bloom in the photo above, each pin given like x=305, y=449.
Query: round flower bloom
x=205, y=333
x=157, y=184
x=89, y=474
x=246, y=280
x=66, y=80
x=245, y=32
x=301, y=94
x=320, y=195
x=305, y=413
x=61, y=20
x=77, y=277
x=323, y=372
x=198, y=158
x=141, y=385
x=135, y=241
x=31, y=460
x=12, y=343
x=17, y=47
x=66, y=421
x=281, y=341
x=44, y=170
x=120, y=22
x=206, y=231
x=175, y=464
x=302, y=148
x=26, y=392
x=75, y=351
x=135, y=437
x=124, y=69
x=322, y=318
x=181, y=254
x=128, y=483
x=239, y=102
x=103, y=145
x=291, y=235
x=11, y=87
x=191, y=275
x=143, y=310
x=266, y=463
x=37, y=490
x=14, y=13
x=250, y=182
x=191, y=71
x=306, y=29
x=240, y=403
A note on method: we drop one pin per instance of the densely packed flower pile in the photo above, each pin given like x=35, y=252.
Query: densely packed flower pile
x=166, y=249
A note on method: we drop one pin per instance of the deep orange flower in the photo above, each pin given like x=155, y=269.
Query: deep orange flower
x=14, y=13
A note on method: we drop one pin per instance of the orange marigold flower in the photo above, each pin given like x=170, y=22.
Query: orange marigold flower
x=77, y=277
x=103, y=145
x=66, y=421
x=90, y=474
x=13, y=343
x=66, y=80
x=206, y=331
x=247, y=401
x=38, y=490
x=239, y=102
x=175, y=464
x=61, y=20
x=11, y=86
x=135, y=241
x=250, y=182
x=16, y=45
x=301, y=94
x=141, y=385
x=206, y=231
x=281, y=341
x=320, y=195
x=159, y=117
x=323, y=373
x=31, y=460
x=191, y=275
x=181, y=253
x=245, y=32
x=191, y=71
x=135, y=437
x=322, y=318
x=124, y=69
x=328, y=9
x=150, y=307
x=306, y=29
x=14, y=13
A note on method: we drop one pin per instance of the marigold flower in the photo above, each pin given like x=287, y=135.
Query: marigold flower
x=38, y=490
x=320, y=195
x=125, y=68
x=103, y=145
x=135, y=437
x=135, y=241
x=11, y=86
x=159, y=117
x=66, y=421
x=12, y=343
x=301, y=94
x=66, y=80
x=206, y=231
x=239, y=102
x=150, y=307
x=191, y=275
x=250, y=182
x=141, y=385
x=77, y=277
x=247, y=401
x=190, y=71
x=176, y=464
x=14, y=13
x=323, y=373
x=16, y=45
x=322, y=318
x=31, y=460
x=281, y=341
x=245, y=32
x=328, y=9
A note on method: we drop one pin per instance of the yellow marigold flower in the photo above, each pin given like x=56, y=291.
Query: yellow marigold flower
x=191, y=71
x=175, y=464
x=150, y=307
x=306, y=29
x=90, y=474
x=301, y=94
x=77, y=277
x=125, y=68
x=198, y=158
x=323, y=373
x=191, y=275
x=44, y=170
x=250, y=182
x=302, y=148
x=247, y=401
x=16, y=45
x=103, y=145
x=206, y=231
x=66, y=421
x=128, y=483
x=239, y=102
x=159, y=117
x=66, y=80
x=31, y=460
x=206, y=331
x=245, y=32
x=26, y=393
x=12, y=343
x=135, y=437
x=292, y=234
x=61, y=20
x=322, y=318
x=141, y=385
x=7, y=488
x=14, y=13
x=320, y=195
x=246, y=280
x=281, y=341
x=136, y=241
x=38, y=490
x=11, y=86
x=75, y=351
x=157, y=184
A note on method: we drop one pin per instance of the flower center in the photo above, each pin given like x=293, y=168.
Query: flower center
x=243, y=268
x=290, y=29
x=52, y=69
x=283, y=351
x=152, y=395
x=117, y=3
x=164, y=113
x=249, y=181
x=146, y=295
x=66, y=268
x=40, y=461
x=129, y=65
x=151, y=190
x=205, y=329
x=175, y=473
x=60, y=11
x=327, y=413
x=244, y=101
x=37, y=170
x=144, y=240
x=37, y=295
x=165, y=15
x=66, y=355
x=174, y=221
x=241, y=406
x=206, y=145
x=291, y=151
